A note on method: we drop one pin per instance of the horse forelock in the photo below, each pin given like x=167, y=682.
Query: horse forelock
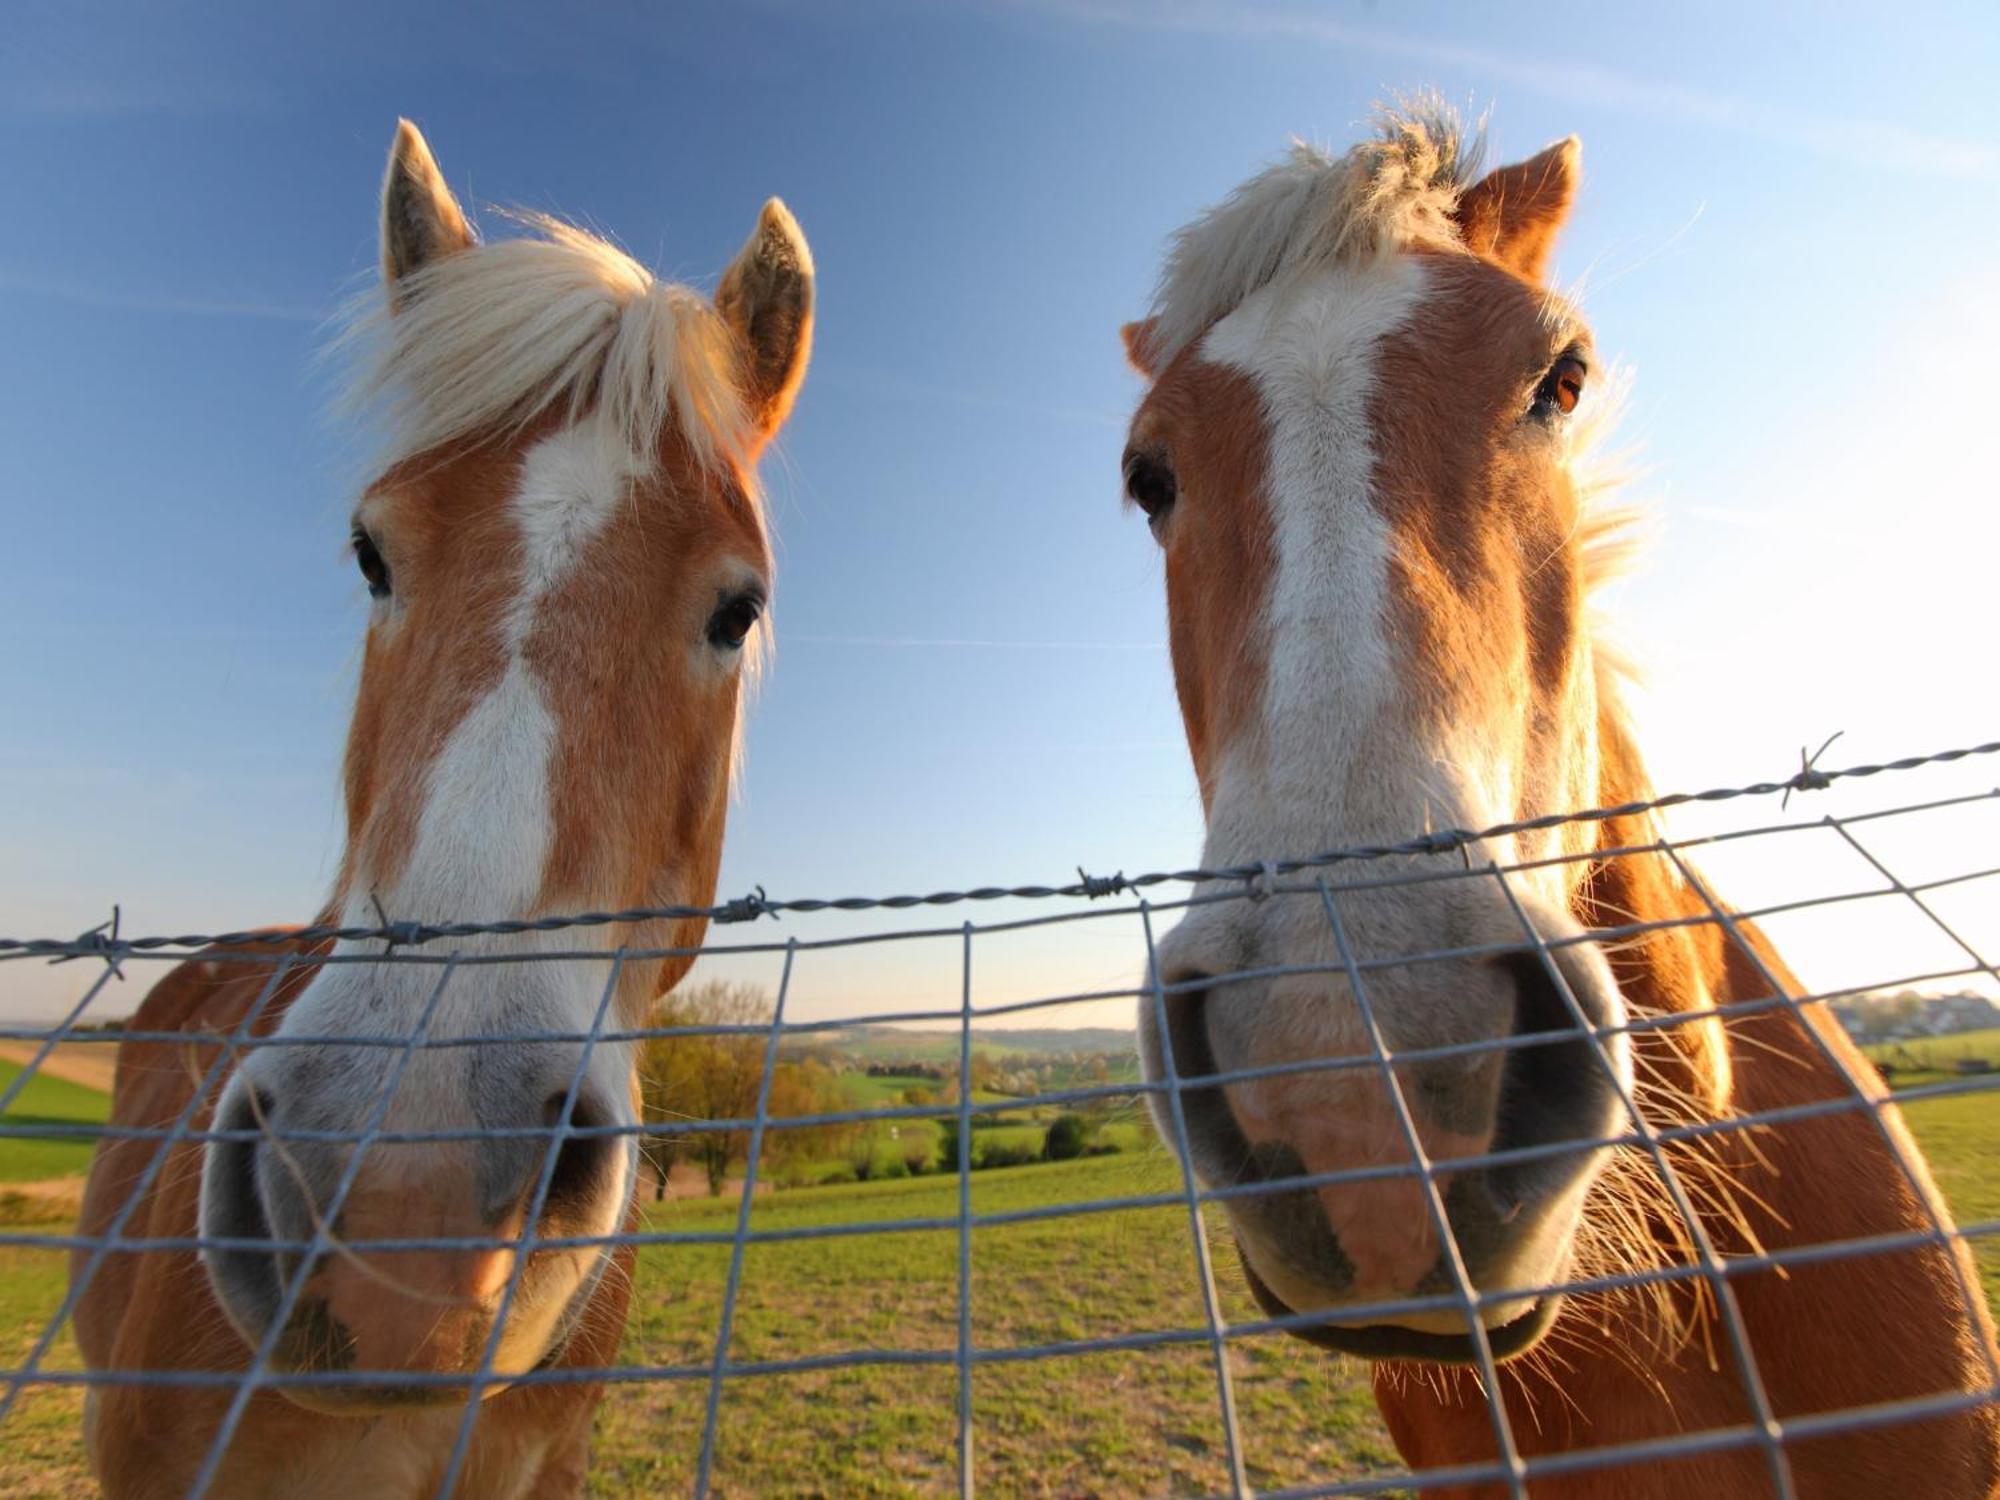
x=477, y=347
x=1337, y=457
x=1313, y=209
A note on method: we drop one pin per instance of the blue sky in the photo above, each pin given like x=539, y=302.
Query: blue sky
x=1788, y=229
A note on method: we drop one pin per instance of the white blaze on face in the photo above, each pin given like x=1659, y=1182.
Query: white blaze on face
x=485, y=831
x=1310, y=348
x=483, y=839
x=1349, y=745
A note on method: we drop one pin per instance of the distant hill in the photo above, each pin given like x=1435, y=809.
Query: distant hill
x=940, y=1044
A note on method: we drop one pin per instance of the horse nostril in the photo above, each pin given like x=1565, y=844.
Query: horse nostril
x=234, y=1219
x=1214, y=1137
x=231, y=1167
x=246, y=1110
x=1553, y=1089
x=584, y=1163
x=1187, y=1040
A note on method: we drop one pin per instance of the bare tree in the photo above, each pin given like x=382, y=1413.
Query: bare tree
x=691, y=1080
x=686, y=1082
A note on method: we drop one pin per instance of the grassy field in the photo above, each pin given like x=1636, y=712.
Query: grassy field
x=1960, y=1134
x=893, y=1144
x=1107, y=1423
x=1939, y=1054
x=866, y=1089
x=896, y=1044
x=48, y=1101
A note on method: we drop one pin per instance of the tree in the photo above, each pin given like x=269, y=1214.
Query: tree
x=687, y=1080
x=861, y=1155
x=807, y=1087
x=661, y=1149
x=1068, y=1135
x=690, y=1080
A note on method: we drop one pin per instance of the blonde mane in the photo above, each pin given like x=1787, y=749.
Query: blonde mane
x=479, y=344
x=1399, y=188
x=1314, y=208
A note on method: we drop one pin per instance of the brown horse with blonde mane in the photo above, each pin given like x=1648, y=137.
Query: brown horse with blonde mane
x=1360, y=453
x=568, y=563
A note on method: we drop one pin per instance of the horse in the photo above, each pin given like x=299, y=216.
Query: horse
x=568, y=568
x=1365, y=452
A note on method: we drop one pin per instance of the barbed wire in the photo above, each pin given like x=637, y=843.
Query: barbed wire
x=104, y=942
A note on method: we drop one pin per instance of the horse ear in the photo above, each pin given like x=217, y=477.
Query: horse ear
x=421, y=221
x=766, y=298
x=1512, y=215
x=1140, y=348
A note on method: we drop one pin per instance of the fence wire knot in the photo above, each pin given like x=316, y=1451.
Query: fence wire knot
x=747, y=908
x=1265, y=881
x=1095, y=886
x=396, y=934
x=1809, y=778
x=102, y=942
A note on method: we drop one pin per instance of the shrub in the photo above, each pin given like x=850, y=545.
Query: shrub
x=1068, y=1135
x=1006, y=1154
x=917, y=1159
x=893, y=1168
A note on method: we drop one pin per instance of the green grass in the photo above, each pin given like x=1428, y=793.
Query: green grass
x=1114, y=1423
x=42, y=1451
x=1136, y=1421
x=1960, y=1134
x=1105, y=1423
x=1936, y=1054
x=1012, y=1130
x=941, y=1044
x=48, y=1101
x=864, y=1090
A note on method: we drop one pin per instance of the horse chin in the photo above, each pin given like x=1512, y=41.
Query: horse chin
x=389, y=1398
x=386, y=1400
x=1387, y=1341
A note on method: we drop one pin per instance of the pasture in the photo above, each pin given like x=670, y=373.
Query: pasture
x=1138, y=1421
x=47, y=1100
x=1936, y=1056
x=1125, y=1422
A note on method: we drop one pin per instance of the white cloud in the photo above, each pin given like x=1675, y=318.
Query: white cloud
x=118, y=299
x=1872, y=143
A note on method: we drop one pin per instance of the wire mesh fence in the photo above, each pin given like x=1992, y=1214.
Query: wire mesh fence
x=1074, y=1328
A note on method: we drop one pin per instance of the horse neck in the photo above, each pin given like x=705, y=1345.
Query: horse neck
x=1745, y=1049
x=1847, y=1172
x=1824, y=1335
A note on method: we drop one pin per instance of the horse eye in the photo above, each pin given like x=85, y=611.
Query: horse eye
x=1149, y=484
x=731, y=624
x=368, y=557
x=1562, y=387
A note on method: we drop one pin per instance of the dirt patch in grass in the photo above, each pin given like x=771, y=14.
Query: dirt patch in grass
x=90, y=1064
